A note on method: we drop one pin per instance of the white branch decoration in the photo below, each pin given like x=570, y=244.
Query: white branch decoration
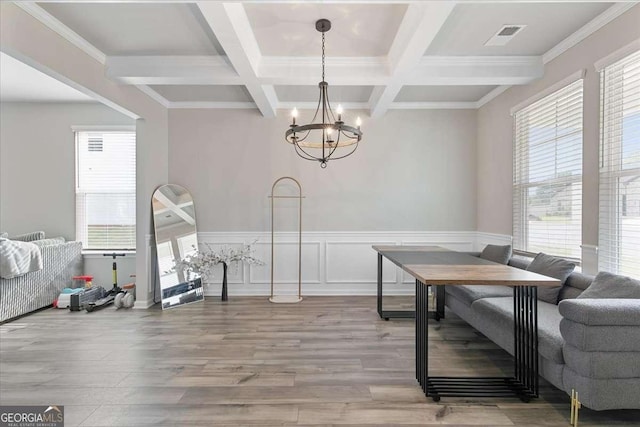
x=203, y=261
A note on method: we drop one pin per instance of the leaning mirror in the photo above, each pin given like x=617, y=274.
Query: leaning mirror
x=174, y=220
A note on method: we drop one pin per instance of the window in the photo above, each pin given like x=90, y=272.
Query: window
x=619, y=240
x=547, y=174
x=106, y=190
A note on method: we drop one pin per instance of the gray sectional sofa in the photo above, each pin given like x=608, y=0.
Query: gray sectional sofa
x=590, y=345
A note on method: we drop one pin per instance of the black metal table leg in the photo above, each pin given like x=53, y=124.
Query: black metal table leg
x=440, y=296
x=387, y=314
x=523, y=384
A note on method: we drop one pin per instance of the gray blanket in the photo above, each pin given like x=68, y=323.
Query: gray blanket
x=18, y=258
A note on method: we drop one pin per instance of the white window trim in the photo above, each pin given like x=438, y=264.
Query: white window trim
x=100, y=128
x=548, y=91
x=616, y=56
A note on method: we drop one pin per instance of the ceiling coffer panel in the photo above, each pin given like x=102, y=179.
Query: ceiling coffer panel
x=139, y=28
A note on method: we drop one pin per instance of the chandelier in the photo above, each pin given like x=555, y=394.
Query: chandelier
x=328, y=134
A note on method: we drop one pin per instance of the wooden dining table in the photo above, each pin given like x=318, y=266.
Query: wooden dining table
x=437, y=266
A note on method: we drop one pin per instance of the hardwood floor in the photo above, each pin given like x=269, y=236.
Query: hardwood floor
x=327, y=360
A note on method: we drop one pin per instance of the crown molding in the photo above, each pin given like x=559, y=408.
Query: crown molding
x=586, y=30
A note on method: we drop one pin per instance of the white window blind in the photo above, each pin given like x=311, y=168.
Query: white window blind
x=619, y=241
x=547, y=174
x=106, y=190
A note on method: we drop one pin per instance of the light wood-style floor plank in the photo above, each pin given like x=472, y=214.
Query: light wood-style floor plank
x=325, y=361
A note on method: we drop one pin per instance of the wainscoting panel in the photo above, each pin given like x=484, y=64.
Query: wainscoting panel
x=333, y=263
x=356, y=262
x=286, y=265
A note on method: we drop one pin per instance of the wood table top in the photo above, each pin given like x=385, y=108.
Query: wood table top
x=435, y=265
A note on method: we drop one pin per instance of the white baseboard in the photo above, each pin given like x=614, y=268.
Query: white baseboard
x=143, y=304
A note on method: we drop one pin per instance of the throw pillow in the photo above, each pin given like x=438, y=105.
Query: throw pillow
x=48, y=242
x=495, y=253
x=551, y=266
x=29, y=237
x=608, y=285
x=4, y=235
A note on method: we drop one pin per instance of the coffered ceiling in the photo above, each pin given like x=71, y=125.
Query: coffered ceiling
x=381, y=55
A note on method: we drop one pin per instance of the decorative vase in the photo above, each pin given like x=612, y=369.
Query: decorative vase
x=225, y=297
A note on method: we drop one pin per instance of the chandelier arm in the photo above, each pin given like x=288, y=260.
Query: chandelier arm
x=304, y=137
x=352, y=136
x=317, y=108
x=308, y=156
x=333, y=118
x=337, y=144
x=346, y=155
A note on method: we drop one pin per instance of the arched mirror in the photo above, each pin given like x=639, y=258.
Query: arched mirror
x=174, y=220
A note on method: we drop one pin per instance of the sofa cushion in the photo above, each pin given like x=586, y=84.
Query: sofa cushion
x=602, y=364
x=602, y=311
x=551, y=266
x=600, y=337
x=607, y=285
x=29, y=237
x=468, y=294
x=498, y=312
x=495, y=253
x=576, y=283
x=4, y=235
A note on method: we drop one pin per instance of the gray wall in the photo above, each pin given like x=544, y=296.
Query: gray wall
x=495, y=129
x=37, y=164
x=414, y=171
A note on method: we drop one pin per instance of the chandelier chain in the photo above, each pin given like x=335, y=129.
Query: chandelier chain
x=322, y=56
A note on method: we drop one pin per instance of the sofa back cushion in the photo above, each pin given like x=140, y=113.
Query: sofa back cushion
x=29, y=237
x=608, y=285
x=496, y=253
x=49, y=241
x=576, y=284
x=551, y=266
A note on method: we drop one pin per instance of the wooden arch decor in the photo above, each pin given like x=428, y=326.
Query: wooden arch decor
x=287, y=298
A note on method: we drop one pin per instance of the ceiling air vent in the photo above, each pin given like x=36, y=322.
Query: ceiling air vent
x=505, y=35
x=95, y=144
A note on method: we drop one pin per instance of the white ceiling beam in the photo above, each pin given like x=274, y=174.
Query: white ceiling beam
x=367, y=71
x=475, y=70
x=231, y=27
x=173, y=207
x=420, y=25
x=171, y=70
x=340, y=70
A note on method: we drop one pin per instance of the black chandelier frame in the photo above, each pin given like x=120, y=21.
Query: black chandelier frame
x=297, y=134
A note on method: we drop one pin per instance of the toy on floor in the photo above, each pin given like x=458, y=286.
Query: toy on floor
x=110, y=297
x=64, y=299
x=126, y=298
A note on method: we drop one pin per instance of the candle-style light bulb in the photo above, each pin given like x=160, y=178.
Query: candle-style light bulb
x=339, y=111
x=329, y=131
x=294, y=114
x=358, y=122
